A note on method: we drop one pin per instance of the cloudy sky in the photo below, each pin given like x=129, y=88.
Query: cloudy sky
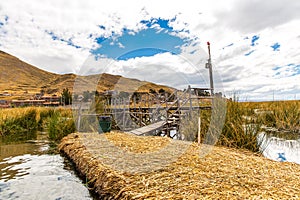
x=255, y=45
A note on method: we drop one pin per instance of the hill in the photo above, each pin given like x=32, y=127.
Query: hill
x=18, y=77
x=21, y=80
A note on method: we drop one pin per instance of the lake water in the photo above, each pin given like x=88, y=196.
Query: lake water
x=284, y=147
x=27, y=171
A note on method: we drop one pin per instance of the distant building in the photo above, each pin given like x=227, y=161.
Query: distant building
x=6, y=94
x=4, y=104
x=51, y=99
x=22, y=103
x=41, y=101
x=37, y=96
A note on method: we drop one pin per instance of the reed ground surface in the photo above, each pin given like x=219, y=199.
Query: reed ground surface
x=123, y=166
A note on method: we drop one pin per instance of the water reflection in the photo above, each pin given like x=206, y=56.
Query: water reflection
x=281, y=146
x=39, y=177
x=16, y=138
x=11, y=150
x=28, y=172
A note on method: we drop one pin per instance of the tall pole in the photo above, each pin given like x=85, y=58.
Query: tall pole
x=209, y=66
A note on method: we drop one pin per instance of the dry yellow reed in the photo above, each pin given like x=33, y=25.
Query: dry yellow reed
x=224, y=173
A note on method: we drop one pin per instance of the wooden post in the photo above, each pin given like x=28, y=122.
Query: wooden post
x=140, y=116
x=114, y=101
x=190, y=97
x=166, y=100
x=199, y=129
x=79, y=117
x=177, y=98
x=124, y=102
x=129, y=103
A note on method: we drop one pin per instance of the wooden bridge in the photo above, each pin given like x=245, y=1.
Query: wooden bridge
x=161, y=116
x=158, y=115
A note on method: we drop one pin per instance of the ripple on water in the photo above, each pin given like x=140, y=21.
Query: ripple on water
x=39, y=177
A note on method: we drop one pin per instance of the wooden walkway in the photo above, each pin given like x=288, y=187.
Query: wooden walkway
x=148, y=130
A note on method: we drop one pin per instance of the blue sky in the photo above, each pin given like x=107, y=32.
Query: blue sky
x=276, y=46
x=255, y=49
x=146, y=42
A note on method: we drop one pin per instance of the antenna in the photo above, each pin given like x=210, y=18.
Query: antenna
x=208, y=65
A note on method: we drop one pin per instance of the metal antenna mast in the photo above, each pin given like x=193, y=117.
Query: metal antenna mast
x=208, y=65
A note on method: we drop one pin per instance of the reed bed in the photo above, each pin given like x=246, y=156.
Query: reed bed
x=284, y=116
x=60, y=124
x=241, y=127
x=19, y=122
x=246, y=120
x=225, y=173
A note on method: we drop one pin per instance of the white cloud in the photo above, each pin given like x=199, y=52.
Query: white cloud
x=252, y=16
x=221, y=22
x=165, y=69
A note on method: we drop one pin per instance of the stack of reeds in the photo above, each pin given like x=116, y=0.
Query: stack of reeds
x=224, y=173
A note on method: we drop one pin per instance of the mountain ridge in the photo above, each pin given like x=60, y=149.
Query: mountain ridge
x=20, y=79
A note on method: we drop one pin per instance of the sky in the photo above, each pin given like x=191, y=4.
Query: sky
x=255, y=45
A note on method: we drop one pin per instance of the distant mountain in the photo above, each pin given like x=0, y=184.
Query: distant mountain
x=23, y=80
x=17, y=76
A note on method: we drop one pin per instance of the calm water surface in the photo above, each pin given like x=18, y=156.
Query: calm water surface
x=27, y=171
x=283, y=147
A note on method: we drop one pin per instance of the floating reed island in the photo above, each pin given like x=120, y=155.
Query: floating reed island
x=124, y=166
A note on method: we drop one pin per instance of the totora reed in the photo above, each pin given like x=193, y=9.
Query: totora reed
x=123, y=166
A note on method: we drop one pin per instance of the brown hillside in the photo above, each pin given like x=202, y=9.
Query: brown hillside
x=23, y=80
x=17, y=76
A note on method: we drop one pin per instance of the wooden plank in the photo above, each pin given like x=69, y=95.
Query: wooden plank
x=145, y=130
